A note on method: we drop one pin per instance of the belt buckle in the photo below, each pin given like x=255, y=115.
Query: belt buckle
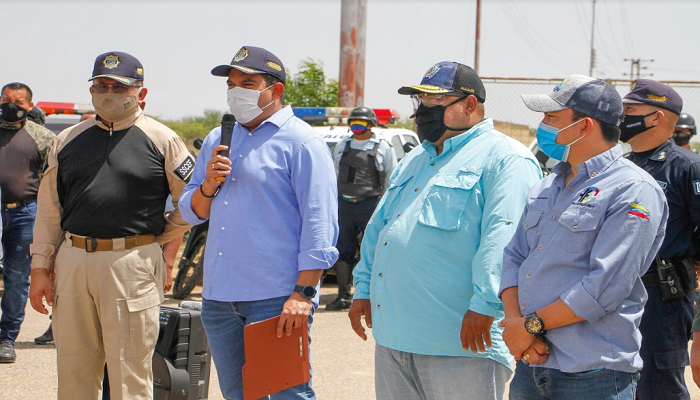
x=93, y=244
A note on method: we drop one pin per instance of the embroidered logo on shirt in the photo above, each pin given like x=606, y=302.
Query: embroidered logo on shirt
x=588, y=194
x=638, y=210
x=184, y=170
x=696, y=187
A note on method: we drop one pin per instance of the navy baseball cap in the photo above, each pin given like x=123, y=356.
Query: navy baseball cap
x=590, y=96
x=653, y=93
x=449, y=77
x=253, y=60
x=122, y=67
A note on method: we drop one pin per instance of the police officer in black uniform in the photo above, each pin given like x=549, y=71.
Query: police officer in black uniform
x=651, y=111
x=363, y=163
x=685, y=129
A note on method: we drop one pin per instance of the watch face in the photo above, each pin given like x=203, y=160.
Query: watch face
x=308, y=291
x=533, y=325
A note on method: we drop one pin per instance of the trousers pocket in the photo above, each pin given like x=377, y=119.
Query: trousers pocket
x=140, y=327
x=672, y=359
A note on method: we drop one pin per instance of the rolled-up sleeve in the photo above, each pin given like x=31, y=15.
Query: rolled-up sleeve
x=505, y=189
x=629, y=238
x=315, y=186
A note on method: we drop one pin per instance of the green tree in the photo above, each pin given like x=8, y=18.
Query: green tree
x=310, y=88
x=193, y=127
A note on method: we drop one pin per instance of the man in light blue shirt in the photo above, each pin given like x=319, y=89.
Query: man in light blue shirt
x=272, y=222
x=427, y=281
x=572, y=272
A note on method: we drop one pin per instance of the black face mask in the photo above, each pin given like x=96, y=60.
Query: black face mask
x=633, y=125
x=12, y=113
x=430, y=122
x=681, y=138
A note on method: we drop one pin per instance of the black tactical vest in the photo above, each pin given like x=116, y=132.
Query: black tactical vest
x=358, y=175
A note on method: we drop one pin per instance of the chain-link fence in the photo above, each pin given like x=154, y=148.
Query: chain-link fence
x=505, y=106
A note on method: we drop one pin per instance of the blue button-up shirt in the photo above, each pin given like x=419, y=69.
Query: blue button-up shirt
x=433, y=248
x=588, y=243
x=276, y=214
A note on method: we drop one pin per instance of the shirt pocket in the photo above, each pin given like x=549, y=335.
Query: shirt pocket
x=444, y=206
x=392, y=195
x=577, y=231
x=532, y=220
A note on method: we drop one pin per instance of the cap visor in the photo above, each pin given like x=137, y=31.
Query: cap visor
x=541, y=103
x=120, y=79
x=430, y=89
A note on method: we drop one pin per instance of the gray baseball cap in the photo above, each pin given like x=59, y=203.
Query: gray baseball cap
x=590, y=96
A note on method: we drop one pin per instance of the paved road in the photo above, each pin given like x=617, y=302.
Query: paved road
x=343, y=363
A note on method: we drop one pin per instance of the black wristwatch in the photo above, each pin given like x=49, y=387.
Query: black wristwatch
x=307, y=291
x=534, y=325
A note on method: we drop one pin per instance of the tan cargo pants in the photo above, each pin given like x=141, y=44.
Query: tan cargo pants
x=106, y=308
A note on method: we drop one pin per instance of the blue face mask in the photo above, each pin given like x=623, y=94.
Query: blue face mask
x=546, y=136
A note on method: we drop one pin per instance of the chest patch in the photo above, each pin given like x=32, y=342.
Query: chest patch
x=664, y=185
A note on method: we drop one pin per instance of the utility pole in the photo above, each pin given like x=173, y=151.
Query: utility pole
x=477, y=36
x=590, y=70
x=635, y=66
x=351, y=81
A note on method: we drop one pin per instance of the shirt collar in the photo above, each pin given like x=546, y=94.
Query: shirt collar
x=593, y=166
x=455, y=143
x=123, y=124
x=278, y=119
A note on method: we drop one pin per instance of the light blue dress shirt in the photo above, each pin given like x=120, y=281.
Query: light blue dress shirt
x=276, y=214
x=433, y=248
x=588, y=244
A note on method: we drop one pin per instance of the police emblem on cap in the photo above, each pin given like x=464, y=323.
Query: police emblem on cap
x=242, y=53
x=139, y=71
x=111, y=61
x=274, y=65
x=20, y=113
x=432, y=71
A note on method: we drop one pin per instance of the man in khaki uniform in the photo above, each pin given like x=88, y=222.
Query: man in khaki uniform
x=100, y=217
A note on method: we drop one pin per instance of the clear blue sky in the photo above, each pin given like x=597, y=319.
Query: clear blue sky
x=51, y=46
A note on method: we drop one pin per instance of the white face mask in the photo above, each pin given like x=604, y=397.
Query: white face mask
x=244, y=103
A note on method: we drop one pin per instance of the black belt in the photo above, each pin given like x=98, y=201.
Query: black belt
x=16, y=204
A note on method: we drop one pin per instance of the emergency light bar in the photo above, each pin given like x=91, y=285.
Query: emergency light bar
x=337, y=115
x=50, y=108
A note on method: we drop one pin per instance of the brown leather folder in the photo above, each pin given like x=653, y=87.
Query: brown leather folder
x=273, y=364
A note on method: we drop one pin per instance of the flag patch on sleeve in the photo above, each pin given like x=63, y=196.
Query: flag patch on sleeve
x=638, y=210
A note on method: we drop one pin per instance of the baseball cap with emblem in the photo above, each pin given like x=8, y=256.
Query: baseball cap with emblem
x=590, y=96
x=449, y=77
x=254, y=61
x=122, y=67
x=653, y=93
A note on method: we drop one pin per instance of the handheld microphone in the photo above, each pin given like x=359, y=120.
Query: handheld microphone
x=227, y=123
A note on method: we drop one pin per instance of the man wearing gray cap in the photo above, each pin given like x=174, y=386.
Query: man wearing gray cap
x=572, y=271
x=273, y=217
x=652, y=110
x=427, y=280
x=100, y=218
